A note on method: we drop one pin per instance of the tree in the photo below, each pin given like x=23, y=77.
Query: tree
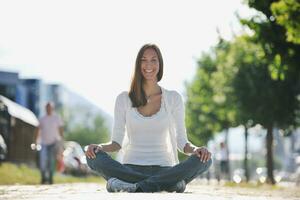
x=234, y=86
x=282, y=63
x=287, y=14
x=200, y=117
x=84, y=135
x=264, y=100
x=250, y=79
x=236, y=55
x=210, y=106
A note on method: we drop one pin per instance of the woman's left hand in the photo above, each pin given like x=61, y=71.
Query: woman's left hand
x=202, y=153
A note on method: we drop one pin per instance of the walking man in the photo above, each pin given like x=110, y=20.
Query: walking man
x=49, y=134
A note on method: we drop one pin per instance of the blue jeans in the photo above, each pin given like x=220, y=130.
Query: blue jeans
x=47, y=162
x=150, y=178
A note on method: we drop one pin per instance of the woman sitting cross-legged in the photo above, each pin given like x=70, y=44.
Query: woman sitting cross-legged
x=154, y=121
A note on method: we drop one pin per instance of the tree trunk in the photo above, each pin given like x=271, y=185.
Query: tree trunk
x=227, y=151
x=270, y=166
x=246, y=155
x=291, y=162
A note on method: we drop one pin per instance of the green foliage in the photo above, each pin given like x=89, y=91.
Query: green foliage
x=251, y=78
x=210, y=104
x=270, y=31
x=260, y=97
x=281, y=57
x=200, y=117
x=276, y=77
x=97, y=132
x=287, y=14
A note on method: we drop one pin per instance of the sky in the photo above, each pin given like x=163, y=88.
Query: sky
x=90, y=46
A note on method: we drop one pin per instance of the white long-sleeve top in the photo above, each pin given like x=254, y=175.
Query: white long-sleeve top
x=148, y=138
x=125, y=132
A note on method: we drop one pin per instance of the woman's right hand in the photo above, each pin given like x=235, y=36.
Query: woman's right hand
x=92, y=149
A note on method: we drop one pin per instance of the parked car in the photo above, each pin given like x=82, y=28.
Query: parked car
x=261, y=174
x=74, y=159
x=3, y=149
x=239, y=175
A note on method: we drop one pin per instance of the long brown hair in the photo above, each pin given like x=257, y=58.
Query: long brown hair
x=137, y=93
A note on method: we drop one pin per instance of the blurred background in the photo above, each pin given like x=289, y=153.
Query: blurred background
x=236, y=64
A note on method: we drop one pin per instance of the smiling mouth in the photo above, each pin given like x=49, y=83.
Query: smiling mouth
x=149, y=71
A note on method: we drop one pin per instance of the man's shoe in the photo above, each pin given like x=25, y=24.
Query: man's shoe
x=116, y=185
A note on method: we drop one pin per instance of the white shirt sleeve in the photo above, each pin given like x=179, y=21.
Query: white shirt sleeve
x=118, y=132
x=178, y=113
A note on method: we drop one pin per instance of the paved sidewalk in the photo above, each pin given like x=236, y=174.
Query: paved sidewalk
x=95, y=191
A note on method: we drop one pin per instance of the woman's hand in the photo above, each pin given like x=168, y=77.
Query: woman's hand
x=202, y=153
x=92, y=149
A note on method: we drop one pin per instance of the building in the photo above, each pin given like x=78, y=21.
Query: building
x=34, y=94
x=17, y=125
x=22, y=102
x=8, y=84
x=30, y=94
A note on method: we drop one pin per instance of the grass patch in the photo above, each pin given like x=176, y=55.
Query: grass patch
x=252, y=185
x=61, y=178
x=22, y=174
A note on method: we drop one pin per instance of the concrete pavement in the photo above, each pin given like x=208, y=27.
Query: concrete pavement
x=76, y=191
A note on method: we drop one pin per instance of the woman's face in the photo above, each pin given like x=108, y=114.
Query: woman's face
x=150, y=65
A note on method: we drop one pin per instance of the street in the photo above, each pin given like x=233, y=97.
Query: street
x=95, y=191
